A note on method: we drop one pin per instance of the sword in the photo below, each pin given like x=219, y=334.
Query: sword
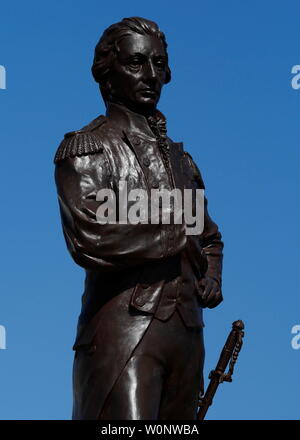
x=230, y=353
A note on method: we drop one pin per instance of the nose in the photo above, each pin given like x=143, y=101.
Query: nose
x=151, y=72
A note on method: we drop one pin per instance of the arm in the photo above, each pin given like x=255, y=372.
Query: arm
x=106, y=247
x=209, y=246
x=212, y=245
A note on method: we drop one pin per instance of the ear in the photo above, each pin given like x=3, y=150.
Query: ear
x=106, y=90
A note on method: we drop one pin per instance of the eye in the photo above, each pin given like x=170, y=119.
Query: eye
x=135, y=62
x=160, y=63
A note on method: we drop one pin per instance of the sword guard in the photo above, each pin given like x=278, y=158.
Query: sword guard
x=222, y=377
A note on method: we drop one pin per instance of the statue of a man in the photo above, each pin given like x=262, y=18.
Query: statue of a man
x=139, y=349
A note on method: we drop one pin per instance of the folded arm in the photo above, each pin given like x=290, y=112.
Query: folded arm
x=105, y=247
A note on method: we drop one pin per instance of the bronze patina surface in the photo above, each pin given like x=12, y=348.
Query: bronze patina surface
x=139, y=348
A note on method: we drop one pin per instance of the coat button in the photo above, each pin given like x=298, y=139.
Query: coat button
x=146, y=161
x=136, y=140
x=155, y=184
x=140, y=301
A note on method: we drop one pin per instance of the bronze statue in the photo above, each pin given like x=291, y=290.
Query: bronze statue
x=139, y=349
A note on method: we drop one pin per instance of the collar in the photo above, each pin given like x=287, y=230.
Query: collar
x=129, y=121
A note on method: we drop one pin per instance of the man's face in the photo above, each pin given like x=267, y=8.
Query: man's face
x=138, y=72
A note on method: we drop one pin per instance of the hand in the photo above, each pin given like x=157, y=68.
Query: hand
x=210, y=294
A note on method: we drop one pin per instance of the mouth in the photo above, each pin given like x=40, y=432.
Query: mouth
x=148, y=93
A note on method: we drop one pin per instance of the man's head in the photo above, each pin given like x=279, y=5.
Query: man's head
x=131, y=64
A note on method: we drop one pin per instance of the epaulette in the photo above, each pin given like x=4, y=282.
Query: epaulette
x=80, y=142
x=196, y=171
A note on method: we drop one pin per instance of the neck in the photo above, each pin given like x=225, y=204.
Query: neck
x=141, y=110
x=125, y=119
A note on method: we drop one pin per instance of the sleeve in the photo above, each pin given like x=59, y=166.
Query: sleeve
x=208, y=245
x=104, y=247
x=212, y=246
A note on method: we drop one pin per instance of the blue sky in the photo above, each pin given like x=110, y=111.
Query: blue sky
x=231, y=103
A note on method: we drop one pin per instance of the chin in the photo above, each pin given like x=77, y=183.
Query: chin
x=147, y=102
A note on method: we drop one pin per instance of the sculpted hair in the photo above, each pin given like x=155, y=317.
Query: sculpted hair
x=106, y=49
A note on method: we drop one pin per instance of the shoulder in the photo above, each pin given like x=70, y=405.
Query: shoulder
x=81, y=142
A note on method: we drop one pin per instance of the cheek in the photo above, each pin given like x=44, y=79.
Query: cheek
x=132, y=78
x=162, y=78
x=127, y=81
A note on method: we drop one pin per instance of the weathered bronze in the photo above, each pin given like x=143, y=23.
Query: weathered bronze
x=139, y=349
